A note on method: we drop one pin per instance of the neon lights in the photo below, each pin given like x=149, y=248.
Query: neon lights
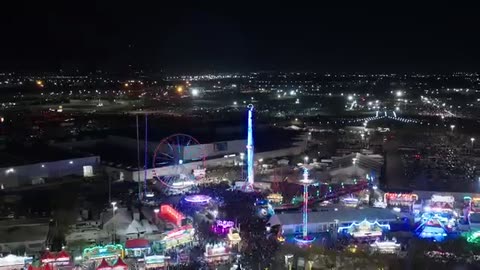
x=472, y=237
x=304, y=240
x=103, y=252
x=172, y=215
x=185, y=230
x=385, y=246
x=275, y=198
x=250, y=149
x=223, y=226
x=365, y=229
x=400, y=198
x=441, y=198
x=200, y=199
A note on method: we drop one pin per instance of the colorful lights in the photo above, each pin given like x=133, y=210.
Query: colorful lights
x=472, y=237
x=198, y=199
x=223, y=226
x=404, y=199
x=170, y=214
x=250, y=149
x=365, y=229
x=386, y=247
x=441, y=198
x=309, y=239
x=99, y=252
x=179, y=232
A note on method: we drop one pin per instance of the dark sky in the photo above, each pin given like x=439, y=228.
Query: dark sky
x=179, y=36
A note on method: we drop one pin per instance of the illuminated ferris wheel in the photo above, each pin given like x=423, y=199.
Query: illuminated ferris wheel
x=175, y=159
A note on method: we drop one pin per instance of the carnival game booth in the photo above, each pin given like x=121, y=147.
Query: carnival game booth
x=475, y=205
x=385, y=247
x=156, y=262
x=435, y=225
x=233, y=237
x=11, y=261
x=218, y=253
x=403, y=201
x=440, y=204
x=137, y=248
x=365, y=230
x=177, y=237
x=97, y=254
x=275, y=198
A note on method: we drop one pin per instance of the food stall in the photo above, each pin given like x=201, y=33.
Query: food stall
x=386, y=247
x=180, y=236
x=109, y=253
x=217, y=253
x=137, y=248
x=156, y=261
x=403, y=201
x=233, y=237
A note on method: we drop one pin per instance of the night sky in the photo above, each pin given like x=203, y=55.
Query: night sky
x=178, y=36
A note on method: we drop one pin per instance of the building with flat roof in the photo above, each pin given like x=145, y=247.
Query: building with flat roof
x=23, y=166
x=23, y=236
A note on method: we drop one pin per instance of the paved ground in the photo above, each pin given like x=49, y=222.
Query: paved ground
x=394, y=171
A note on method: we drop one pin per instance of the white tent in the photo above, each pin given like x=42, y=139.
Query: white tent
x=135, y=228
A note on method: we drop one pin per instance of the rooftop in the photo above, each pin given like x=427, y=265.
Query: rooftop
x=24, y=233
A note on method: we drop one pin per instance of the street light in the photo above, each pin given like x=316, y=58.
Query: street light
x=305, y=159
x=452, y=127
x=472, y=140
x=114, y=207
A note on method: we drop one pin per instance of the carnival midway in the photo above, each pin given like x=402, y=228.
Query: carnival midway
x=182, y=219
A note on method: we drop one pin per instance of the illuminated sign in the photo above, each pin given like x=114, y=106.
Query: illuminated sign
x=99, y=252
x=400, y=198
x=170, y=214
x=441, y=198
x=184, y=230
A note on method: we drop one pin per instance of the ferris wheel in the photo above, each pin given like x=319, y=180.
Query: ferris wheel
x=175, y=159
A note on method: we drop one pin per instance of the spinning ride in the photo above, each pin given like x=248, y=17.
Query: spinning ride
x=175, y=159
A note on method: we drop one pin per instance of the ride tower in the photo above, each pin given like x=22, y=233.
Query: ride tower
x=248, y=187
x=305, y=238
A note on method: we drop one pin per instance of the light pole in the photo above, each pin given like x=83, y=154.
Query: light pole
x=472, y=140
x=156, y=211
x=114, y=207
x=452, y=127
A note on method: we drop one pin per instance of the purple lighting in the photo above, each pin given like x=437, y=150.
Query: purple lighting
x=201, y=199
x=223, y=226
